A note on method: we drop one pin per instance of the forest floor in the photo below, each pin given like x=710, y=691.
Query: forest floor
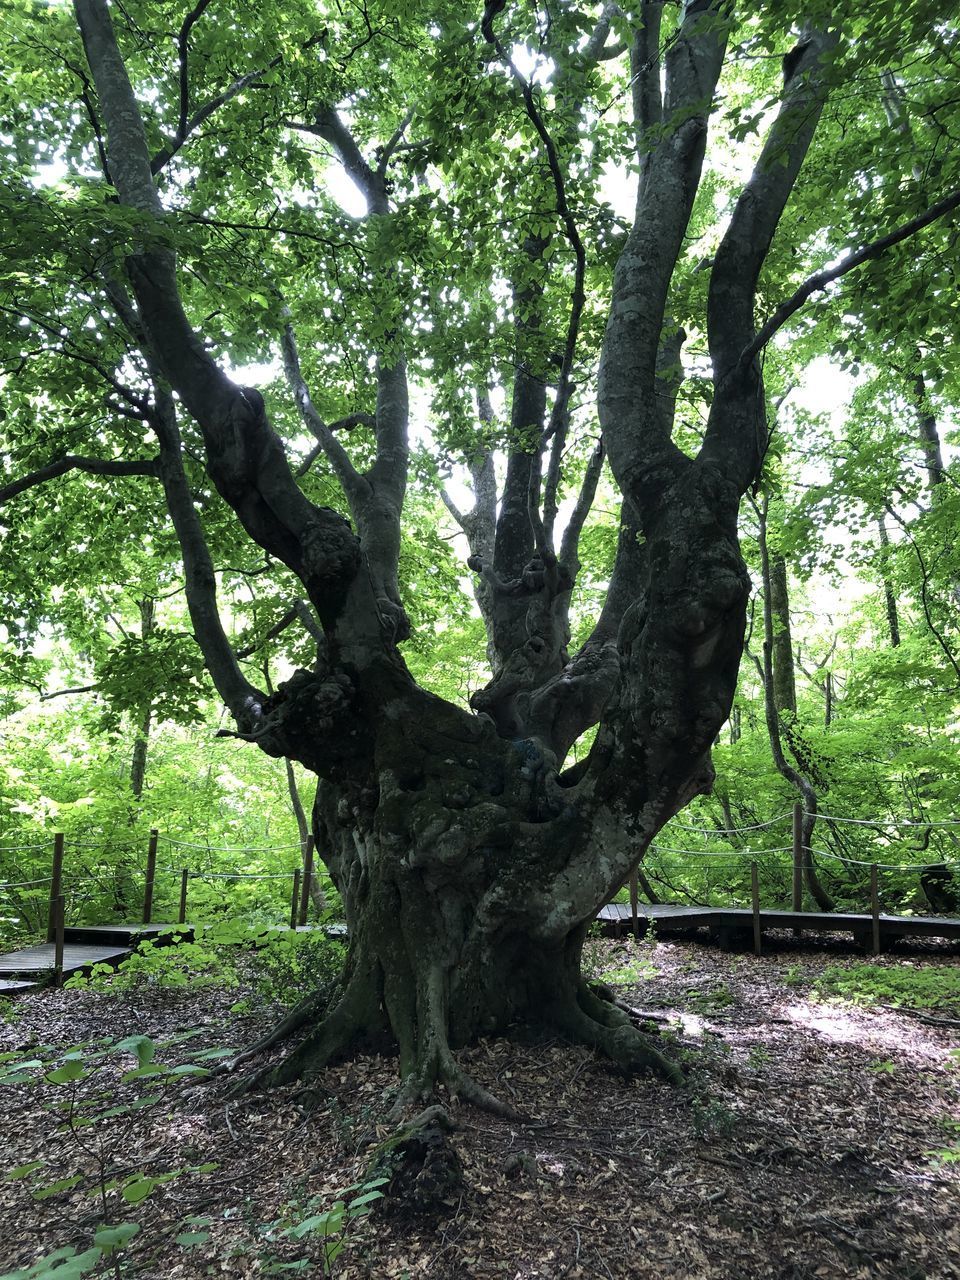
x=814, y=1140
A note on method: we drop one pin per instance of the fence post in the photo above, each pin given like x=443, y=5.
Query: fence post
x=58, y=910
x=151, y=873
x=755, y=902
x=307, y=879
x=182, y=914
x=798, y=858
x=875, y=906
x=295, y=899
x=634, y=909
x=56, y=884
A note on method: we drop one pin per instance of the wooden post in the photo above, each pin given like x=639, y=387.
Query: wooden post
x=798, y=857
x=151, y=873
x=755, y=897
x=56, y=884
x=182, y=914
x=295, y=899
x=58, y=910
x=307, y=880
x=875, y=906
x=634, y=906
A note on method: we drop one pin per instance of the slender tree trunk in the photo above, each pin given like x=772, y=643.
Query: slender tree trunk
x=784, y=676
x=890, y=599
x=317, y=896
x=141, y=741
x=736, y=727
x=773, y=716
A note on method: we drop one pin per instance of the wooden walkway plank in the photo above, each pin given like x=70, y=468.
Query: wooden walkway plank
x=39, y=959
x=671, y=918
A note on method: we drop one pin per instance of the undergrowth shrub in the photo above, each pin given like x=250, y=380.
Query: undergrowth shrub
x=916, y=986
x=282, y=965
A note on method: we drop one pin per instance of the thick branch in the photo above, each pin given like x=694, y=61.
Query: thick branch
x=641, y=453
x=559, y=414
x=329, y=125
x=243, y=699
x=736, y=436
x=245, y=456
x=93, y=466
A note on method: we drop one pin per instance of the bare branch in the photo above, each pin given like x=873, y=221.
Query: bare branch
x=571, y=535
x=389, y=149
x=166, y=154
x=285, y=621
x=309, y=622
x=183, y=44
x=62, y=693
x=820, y=279
x=353, y=483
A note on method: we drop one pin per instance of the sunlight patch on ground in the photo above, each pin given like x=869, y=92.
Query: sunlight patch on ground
x=873, y=1031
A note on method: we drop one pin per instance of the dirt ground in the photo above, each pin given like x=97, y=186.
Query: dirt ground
x=805, y=1145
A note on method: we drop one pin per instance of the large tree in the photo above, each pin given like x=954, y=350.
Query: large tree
x=485, y=269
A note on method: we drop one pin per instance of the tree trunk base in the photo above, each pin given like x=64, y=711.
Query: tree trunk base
x=586, y=1019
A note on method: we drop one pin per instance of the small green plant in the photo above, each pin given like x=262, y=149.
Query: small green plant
x=637, y=967
x=282, y=964
x=710, y=999
x=951, y=1153
x=759, y=1056
x=794, y=976
x=287, y=965
x=86, y=1080
x=328, y=1226
x=712, y=1119
x=882, y=1067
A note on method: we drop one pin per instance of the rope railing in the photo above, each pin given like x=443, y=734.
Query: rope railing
x=889, y=822
x=213, y=848
x=754, y=854
x=720, y=853
x=732, y=831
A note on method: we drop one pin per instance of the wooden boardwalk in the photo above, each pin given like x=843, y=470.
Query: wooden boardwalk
x=83, y=947
x=33, y=967
x=733, y=925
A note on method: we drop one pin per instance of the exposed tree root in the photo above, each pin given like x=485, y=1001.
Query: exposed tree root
x=606, y=1027
x=355, y=1012
x=297, y=1018
x=433, y=1062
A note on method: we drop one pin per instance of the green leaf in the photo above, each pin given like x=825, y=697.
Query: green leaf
x=55, y=1188
x=112, y=1238
x=139, y=1189
x=189, y=1239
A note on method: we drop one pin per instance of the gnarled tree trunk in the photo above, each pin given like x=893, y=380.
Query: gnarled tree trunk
x=469, y=861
